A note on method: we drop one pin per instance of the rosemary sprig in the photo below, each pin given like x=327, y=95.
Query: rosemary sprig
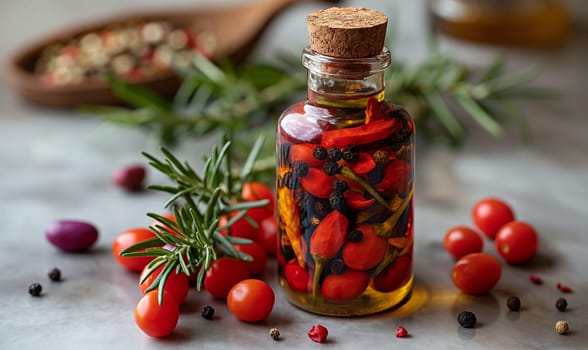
x=211, y=98
x=199, y=201
x=440, y=93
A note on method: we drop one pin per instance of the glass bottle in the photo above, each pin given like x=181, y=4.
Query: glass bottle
x=345, y=165
x=524, y=23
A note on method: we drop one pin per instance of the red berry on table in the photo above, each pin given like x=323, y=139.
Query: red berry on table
x=535, y=279
x=401, y=332
x=130, y=177
x=318, y=333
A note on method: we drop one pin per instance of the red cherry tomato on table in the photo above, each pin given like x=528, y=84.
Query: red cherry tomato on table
x=154, y=319
x=128, y=238
x=251, y=300
x=462, y=240
x=176, y=286
x=476, y=273
x=517, y=242
x=489, y=214
x=256, y=251
x=241, y=228
x=267, y=235
x=255, y=191
x=223, y=274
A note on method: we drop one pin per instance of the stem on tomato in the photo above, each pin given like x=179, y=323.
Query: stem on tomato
x=384, y=229
x=391, y=255
x=347, y=172
x=319, y=264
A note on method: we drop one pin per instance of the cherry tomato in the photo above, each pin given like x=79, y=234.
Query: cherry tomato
x=223, y=274
x=517, y=242
x=176, y=287
x=251, y=300
x=489, y=214
x=256, y=251
x=476, y=273
x=462, y=240
x=127, y=239
x=255, y=191
x=154, y=319
x=241, y=228
x=267, y=235
x=346, y=286
x=394, y=276
x=366, y=253
x=297, y=277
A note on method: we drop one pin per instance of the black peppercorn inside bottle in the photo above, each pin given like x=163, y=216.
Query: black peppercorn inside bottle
x=345, y=184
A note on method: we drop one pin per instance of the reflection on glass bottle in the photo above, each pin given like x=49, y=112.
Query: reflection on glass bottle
x=528, y=23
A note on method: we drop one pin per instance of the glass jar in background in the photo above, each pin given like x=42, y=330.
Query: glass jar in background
x=523, y=23
x=345, y=165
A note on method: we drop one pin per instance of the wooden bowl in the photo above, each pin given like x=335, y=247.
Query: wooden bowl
x=235, y=29
x=29, y=85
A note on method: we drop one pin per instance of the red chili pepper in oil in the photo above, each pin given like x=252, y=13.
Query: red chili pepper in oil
x=326, y=241
x=377, y=130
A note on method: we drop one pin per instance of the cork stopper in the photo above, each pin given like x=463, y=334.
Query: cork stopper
x=347, y=32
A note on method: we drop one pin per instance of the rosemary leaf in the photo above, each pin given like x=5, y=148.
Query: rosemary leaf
x=184, y=267
x=145, y=253
x=138, y=96
x=445, y=116
x=250, y=162
x=510, y=81
x=493, y=69
x=151, y=267
x=162, y=279
x=479, y=114
x=155, y=242
x=225, y=245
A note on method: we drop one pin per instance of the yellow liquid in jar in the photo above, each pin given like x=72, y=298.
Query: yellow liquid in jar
x=374, y=271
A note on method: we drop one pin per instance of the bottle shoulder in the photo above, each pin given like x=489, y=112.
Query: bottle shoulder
x=305, y=121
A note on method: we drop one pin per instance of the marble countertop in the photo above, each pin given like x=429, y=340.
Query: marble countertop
x=58, y=164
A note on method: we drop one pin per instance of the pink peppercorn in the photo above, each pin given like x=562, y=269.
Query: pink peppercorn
x=535, y=279
x=318, y=333
x=401, y=332
x=563, y=288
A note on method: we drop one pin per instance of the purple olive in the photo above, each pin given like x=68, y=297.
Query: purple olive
x=71, y=235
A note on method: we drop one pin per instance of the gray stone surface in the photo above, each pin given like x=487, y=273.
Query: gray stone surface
x=56, y=164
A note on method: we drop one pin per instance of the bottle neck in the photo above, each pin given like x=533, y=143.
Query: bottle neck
x=338, y=82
